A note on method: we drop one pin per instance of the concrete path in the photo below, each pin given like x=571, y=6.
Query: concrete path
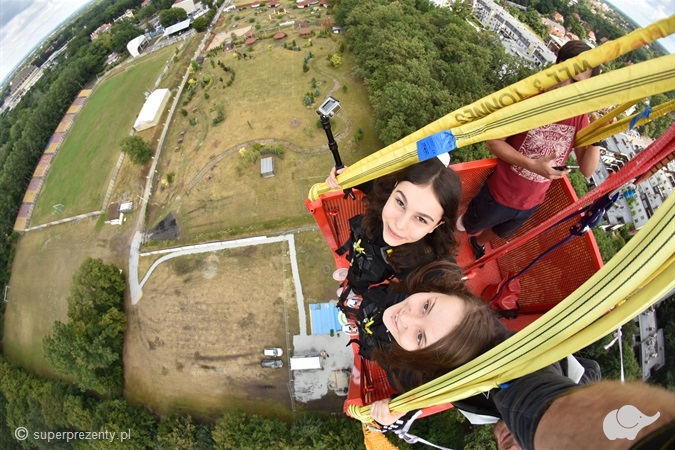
x=68, y=219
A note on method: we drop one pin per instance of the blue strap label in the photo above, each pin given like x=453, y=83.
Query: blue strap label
x=635, y=119
x=436, y=144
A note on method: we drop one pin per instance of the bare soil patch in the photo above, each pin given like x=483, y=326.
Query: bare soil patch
x=195, y=339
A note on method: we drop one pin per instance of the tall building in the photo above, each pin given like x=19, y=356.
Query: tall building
x=636, y=203
x=513, y=33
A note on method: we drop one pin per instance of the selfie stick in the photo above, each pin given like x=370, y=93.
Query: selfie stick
x=328, y=109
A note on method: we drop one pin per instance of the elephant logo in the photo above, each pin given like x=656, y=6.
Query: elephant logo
x=626, y=422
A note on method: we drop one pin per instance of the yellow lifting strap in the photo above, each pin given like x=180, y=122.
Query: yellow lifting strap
x=638, y=276
x=513, y=109
x=602, y=129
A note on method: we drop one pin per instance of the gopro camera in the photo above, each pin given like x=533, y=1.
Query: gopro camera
x=329, y=107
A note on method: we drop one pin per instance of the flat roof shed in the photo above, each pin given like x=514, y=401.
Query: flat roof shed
x=267, y=167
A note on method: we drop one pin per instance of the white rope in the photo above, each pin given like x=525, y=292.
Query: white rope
x=411, y=438
x=617, y=337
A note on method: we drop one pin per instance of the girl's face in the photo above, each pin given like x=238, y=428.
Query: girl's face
x=423, y=319
x=411, y=213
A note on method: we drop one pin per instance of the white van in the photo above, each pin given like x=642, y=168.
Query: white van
x=306, y=363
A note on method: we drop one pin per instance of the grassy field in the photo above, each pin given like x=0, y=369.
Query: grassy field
x=195, y=339
x=80, y=173
x=263, y=104
x=40, y=283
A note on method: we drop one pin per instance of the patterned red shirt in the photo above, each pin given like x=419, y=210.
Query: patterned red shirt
x=517, y=187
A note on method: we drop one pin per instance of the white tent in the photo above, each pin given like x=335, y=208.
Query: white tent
x=180, y=26
x=136, y=45
x=152, y=109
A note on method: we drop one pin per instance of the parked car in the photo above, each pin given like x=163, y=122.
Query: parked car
x=273, y=352
x=271, y=364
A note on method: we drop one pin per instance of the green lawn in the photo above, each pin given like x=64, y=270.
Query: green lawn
x=80, y=174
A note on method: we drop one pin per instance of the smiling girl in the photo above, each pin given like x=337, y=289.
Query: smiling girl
x=409, y=222
x=425, y=326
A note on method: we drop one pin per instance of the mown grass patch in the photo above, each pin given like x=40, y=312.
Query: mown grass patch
x=80, y=173
x=43, y=268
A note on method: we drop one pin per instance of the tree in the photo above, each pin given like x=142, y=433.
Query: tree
x=200, y=24
x=240, y=431
x=89, y=347
x=336, y=60
x=171, y=16
x=121, y=33
x=119, y=415
x=177, y=433
x=138, y=150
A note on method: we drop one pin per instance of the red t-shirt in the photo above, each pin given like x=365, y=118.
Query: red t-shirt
x=517, y=187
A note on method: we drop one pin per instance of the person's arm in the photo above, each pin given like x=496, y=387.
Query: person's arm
x=541, y=166
x=523, y=403
x=332, y=181
x=591, y=416
x=588, y=158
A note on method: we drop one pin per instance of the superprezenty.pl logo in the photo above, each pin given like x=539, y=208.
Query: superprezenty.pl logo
x=626, y=422
x=22, y=433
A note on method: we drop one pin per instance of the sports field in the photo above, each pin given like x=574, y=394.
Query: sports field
x=79, y=175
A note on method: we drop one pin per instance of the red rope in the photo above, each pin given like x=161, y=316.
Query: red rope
x=641, y=164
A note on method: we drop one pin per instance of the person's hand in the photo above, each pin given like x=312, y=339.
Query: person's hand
x=542, y=166
x=332, y=181
x=381, y=413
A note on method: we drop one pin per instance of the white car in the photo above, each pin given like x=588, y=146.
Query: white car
x=273, y=352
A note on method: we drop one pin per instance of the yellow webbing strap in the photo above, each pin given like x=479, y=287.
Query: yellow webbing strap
x=397, y=155
x=620, y=86
x=625, y=85
x=638, y=276
x=591, y=134
x=603, y=121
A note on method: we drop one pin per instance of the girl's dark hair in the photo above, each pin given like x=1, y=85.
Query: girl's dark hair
x=478, y=331
x=448, y=190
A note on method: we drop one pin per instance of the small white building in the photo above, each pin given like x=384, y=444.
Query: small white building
x=126, y=207
x=152, y=109
x=267, y=167
x=306, y=363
